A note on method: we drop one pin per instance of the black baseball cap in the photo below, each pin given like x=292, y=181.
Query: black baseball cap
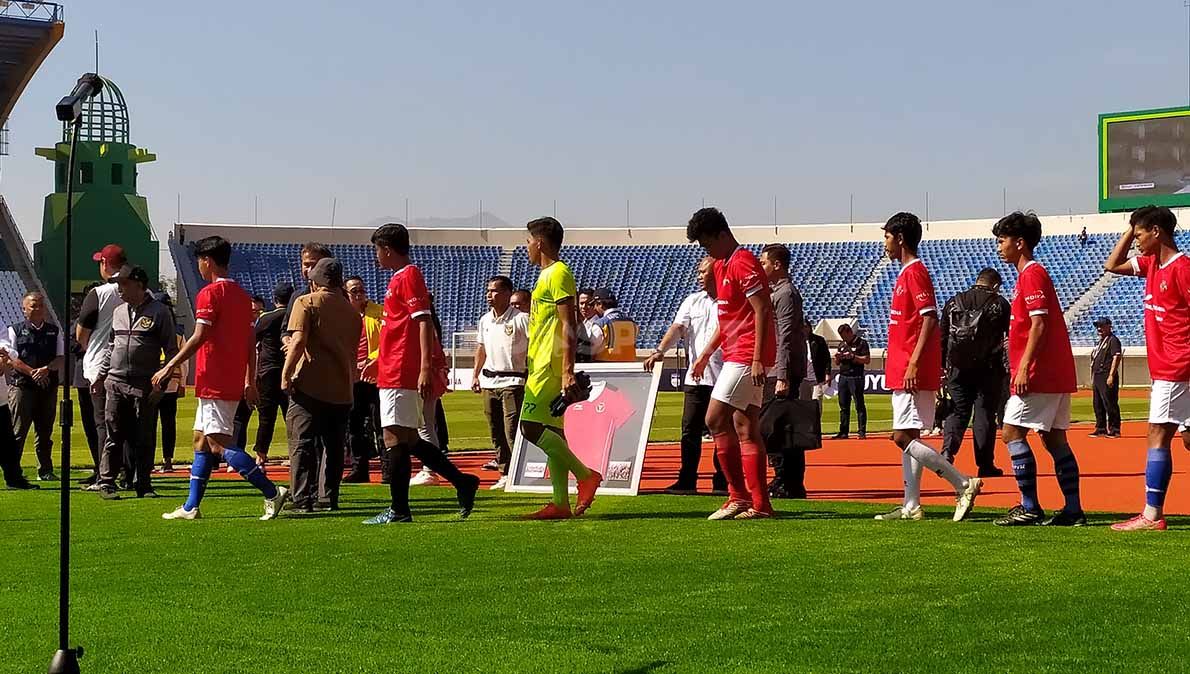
x=603, y=295
x=1102, y=321
x=132, y=273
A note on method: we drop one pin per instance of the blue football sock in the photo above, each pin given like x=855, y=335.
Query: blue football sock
x=247, y=468
x=1158, y=471
x=1066, y=469
x=1024, y=466
x=200, y=472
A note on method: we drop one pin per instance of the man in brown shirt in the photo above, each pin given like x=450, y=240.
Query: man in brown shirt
x=319, y=377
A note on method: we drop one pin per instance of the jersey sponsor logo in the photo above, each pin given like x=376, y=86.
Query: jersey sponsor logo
x=922, y=297
x=1035, y=297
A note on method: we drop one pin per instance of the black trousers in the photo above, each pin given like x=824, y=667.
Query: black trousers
x=130, y=421
x=695, y=401
x=851, y=387
x=87, y=415
x=979, y=391
x=10, y=458
x=167, y=413
x=363, y=426
x=1106, y=403
x=317, y=434
x=37, y=407
x=272, y=398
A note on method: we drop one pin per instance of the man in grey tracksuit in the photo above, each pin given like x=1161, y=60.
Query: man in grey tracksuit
x=142, y=329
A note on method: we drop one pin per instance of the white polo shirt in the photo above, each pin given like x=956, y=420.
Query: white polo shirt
x=699, y=316
x=100, y=307
x=505, y=340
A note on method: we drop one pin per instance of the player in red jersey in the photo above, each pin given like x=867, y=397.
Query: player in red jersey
x=405, y=376
x=913, y=370
x=1166, y=272
x=224, y=373
x=747, y=335
x=1043, y=377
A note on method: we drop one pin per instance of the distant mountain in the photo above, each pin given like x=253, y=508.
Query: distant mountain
x=471, y=221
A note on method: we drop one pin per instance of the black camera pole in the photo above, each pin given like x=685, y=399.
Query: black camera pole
x=66, y=659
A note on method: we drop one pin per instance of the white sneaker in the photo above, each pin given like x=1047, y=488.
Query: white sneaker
x=424, y=478
x=273, y=506
x=899, y=513
x=966, y=498
x=502, y=483
x=182, y=514
x=729, y=511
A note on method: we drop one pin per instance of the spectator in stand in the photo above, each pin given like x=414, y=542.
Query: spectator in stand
x=33, y=399
x=1105, y=380
x=1082, y=236
x=10, y=458
x=500, y=370
x=852, y=355
x=319, y=375
x=590, y=334
x=522, y=300
x=974, y=326
x=167, y=409
x=270, y=357
x=92, y=332
x=619, y=330
x=363, y=424
x=695, y=324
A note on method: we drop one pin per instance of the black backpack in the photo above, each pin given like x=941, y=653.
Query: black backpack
x=972, y=338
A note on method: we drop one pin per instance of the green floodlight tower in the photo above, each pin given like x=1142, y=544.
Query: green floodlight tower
x=106, y=207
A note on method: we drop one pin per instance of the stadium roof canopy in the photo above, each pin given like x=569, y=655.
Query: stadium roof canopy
x=29, y=29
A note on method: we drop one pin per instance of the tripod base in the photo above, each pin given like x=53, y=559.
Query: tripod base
x=66, y=662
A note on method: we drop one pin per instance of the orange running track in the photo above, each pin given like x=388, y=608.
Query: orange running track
x=870, y=470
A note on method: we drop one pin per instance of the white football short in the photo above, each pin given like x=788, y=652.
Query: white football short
x=913, y=411
x=1039, y=411
x=735, y=387
x=400, y=407
x=215, y=417
x=1169, y=403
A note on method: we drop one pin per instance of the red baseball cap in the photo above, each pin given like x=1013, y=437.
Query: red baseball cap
x=112, y=252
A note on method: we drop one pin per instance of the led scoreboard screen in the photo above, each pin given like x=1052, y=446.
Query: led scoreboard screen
x=1144, y=158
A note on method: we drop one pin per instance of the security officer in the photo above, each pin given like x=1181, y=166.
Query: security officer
x=142, y=329
x=34, y=397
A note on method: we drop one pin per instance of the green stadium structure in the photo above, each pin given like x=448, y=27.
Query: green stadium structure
x=107, y=208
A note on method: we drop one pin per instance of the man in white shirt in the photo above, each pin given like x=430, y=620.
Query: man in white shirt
x=590, y=335
x=92, y=332
x=10, y=455
x=500, y=370
x=696, y=323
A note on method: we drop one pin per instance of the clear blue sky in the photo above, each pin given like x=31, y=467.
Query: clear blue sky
x=660, y=103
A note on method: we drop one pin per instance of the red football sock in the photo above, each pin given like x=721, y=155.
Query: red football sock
x=755, y=465
x=727, y=448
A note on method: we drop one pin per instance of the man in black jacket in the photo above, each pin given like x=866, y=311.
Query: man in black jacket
x=974, y=326
x=852, y=356
x=1105, y=380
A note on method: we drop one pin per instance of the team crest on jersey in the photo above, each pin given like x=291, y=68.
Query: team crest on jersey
x=144, y=323
x=1164, y=287
x=508, y=330
x=900, y=290
x=599, y=407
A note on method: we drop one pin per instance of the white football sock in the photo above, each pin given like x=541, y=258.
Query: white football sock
x=931, y=459
x=911, y=474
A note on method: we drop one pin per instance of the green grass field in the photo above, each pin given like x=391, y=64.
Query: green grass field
x=468, y=428
x=639, y=585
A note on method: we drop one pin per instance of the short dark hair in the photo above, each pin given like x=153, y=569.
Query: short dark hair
x=706, y=222
x=216, y=248
x=908, y=226
x=393, y=235
x=320, y=250
x=503, y=281
x=589, y=292
x=523, y=291
x=353, y=277
x=1155, y=217
x=990, y=277
x=548, y=229
x=258, y=299
x=282, y=295
x=777, y=252
x=1025, y=226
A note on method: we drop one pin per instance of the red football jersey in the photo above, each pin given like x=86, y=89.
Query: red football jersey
x=739, y=277
x=221, y=364
x=407, y=299
x=1052, y=370
x=1167, y=315
x=912, y=298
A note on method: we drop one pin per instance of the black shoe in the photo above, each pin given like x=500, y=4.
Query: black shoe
x=357, y=478
x=679, y=489
x=301, y=509
x=1019, y=517
x=125, y=485
x=108, y=493
x=1096, y=434
x=1112, y=434
x=991, y=472
x=466, y=495
x=839, y=436
x=89, y=480
x=1065, y=519
x=326, y=506
x=23, y=485
x=146, y=494
x=863, y=435
x=781, y=491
